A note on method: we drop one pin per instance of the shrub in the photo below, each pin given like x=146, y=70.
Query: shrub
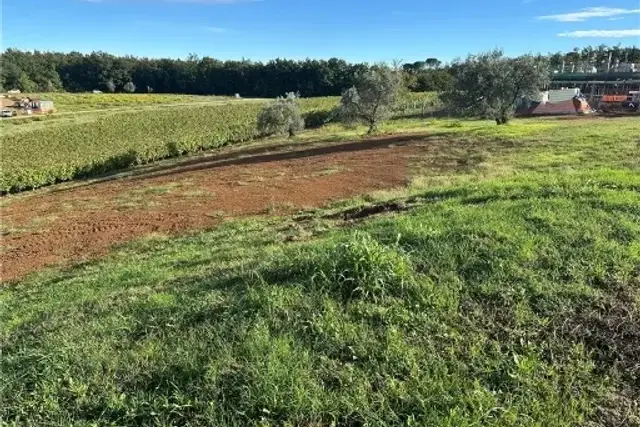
x=317, y=118
x=110, y=86
x=129, y=87
x=281, y=117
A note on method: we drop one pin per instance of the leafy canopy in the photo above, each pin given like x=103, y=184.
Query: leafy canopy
x=490, y=84
x=371, y=100
x=129, y=87
x=281, y=117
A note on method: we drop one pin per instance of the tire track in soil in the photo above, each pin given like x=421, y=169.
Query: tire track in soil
x=61, y=227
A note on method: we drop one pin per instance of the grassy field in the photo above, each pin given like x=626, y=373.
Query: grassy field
x=507, y=294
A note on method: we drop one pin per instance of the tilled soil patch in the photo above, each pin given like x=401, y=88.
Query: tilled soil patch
x=74, y=224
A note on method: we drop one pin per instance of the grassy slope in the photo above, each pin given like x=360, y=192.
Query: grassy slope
x=510, y=301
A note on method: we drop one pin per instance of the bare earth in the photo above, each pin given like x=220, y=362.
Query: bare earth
x=68, y=224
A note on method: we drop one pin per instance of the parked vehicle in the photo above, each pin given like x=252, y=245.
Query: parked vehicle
x=7, y=113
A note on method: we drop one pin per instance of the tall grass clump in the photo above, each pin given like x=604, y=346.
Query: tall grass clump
x=361, y=268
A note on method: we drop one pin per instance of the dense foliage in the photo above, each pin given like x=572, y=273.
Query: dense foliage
x=419, y=77
x=281, y=117
x=371, y=99
x=490, y=84
x=598, y=56
x=77, y=72
x=62, y=149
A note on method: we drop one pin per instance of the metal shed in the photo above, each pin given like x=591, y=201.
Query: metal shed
x=46, y=105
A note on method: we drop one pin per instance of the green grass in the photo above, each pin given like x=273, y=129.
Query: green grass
x=473, y=150
x=507, y=295
x=511, y=303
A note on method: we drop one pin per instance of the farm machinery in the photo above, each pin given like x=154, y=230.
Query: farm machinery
x=629, y=103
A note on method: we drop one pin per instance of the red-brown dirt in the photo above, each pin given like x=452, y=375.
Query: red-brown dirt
x=69, y=224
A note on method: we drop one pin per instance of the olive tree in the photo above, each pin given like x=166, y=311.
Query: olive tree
x=110, y=86
x=281, y=117
x=490, y=84
x=129, y=87
x=372, y=97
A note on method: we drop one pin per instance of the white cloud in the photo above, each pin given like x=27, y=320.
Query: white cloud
x=601, y=33
x=588, y=13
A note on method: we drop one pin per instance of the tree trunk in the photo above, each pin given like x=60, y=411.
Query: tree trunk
x=372, y=127
x=502, y=120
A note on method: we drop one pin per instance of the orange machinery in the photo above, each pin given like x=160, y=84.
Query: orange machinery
x=629, y=102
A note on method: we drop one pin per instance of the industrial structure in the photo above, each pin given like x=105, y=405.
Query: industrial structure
x=24, y=105
x=586, y=89
x=619, y=81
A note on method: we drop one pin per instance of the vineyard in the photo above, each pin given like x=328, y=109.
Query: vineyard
x=38, y=154
x=62, y=151
x=71, y=102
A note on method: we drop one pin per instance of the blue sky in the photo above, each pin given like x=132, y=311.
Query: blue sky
x=356, y=30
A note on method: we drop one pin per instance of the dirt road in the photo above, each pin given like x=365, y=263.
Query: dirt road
x=63, y=225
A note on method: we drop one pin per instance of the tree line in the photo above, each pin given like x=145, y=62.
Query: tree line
x=76, y=72
x=598, y=56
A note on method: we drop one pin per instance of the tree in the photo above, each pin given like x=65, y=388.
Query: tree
x=46, y=78
x=371, y=98
x=414, y=67
x=281, y=117
x=433, y=63
x=129, y=87
x=438, y=80
x=25, y=84
x=79, y=72
x=110, y=86
x=490, y=84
